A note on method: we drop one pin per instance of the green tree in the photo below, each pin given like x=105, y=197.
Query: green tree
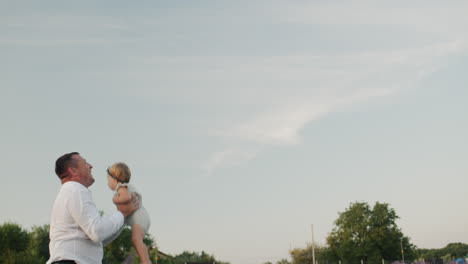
x=18, y=246
x=451, y=251
x=283, y=261
x=119, y=249
x=304, y=255
x=456, y=250
x=368, y=234
x=13, y=237
x=13, y=242
x=187, y=256
x=39, y=242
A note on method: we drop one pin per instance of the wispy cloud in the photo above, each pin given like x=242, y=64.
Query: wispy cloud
x=368, y=75
x=36, y=42
x=289, y=92
x=64, y=21
x=285, y=90
x=280, y=127
x=426, y=17
x=231, y=156
x=49, y=30
x=283, y=126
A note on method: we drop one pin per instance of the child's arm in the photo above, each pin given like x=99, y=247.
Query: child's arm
x=122, y=196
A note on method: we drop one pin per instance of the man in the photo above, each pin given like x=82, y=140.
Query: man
x=77, y=230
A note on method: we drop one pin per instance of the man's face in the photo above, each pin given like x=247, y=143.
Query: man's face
x=83, y=170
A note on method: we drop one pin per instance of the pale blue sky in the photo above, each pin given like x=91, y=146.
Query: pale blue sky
x=243, y=121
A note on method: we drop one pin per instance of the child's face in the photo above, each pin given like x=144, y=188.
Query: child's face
x=111, y=182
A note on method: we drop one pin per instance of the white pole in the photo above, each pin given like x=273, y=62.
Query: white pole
x=402, y=252
x=313, y=246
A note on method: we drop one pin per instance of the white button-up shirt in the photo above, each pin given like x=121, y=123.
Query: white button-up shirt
x=77, y=230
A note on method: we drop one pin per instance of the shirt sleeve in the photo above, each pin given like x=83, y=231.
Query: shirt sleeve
x=98, y=228
x=112, y=237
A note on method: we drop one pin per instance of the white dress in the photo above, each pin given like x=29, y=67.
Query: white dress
x=140, y=216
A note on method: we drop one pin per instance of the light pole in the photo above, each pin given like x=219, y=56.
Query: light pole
x=313, y=246
x=402, y=251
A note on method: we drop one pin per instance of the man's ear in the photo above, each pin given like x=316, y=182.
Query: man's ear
x=71, y=171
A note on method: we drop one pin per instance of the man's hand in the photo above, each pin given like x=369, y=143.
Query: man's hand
x=127, y=208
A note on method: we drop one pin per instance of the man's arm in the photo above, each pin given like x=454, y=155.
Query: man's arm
x=112, y=237
x=126, y=208
x=84, y=211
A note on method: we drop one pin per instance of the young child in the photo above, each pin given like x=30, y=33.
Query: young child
x=118, y=176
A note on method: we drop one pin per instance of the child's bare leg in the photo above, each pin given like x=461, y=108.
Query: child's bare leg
x=137, y=240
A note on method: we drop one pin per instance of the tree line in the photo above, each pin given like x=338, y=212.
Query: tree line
x=361, y=234
x=369, y=234
x=20, y=246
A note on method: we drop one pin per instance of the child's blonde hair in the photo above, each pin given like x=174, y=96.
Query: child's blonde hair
x=120, y=172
